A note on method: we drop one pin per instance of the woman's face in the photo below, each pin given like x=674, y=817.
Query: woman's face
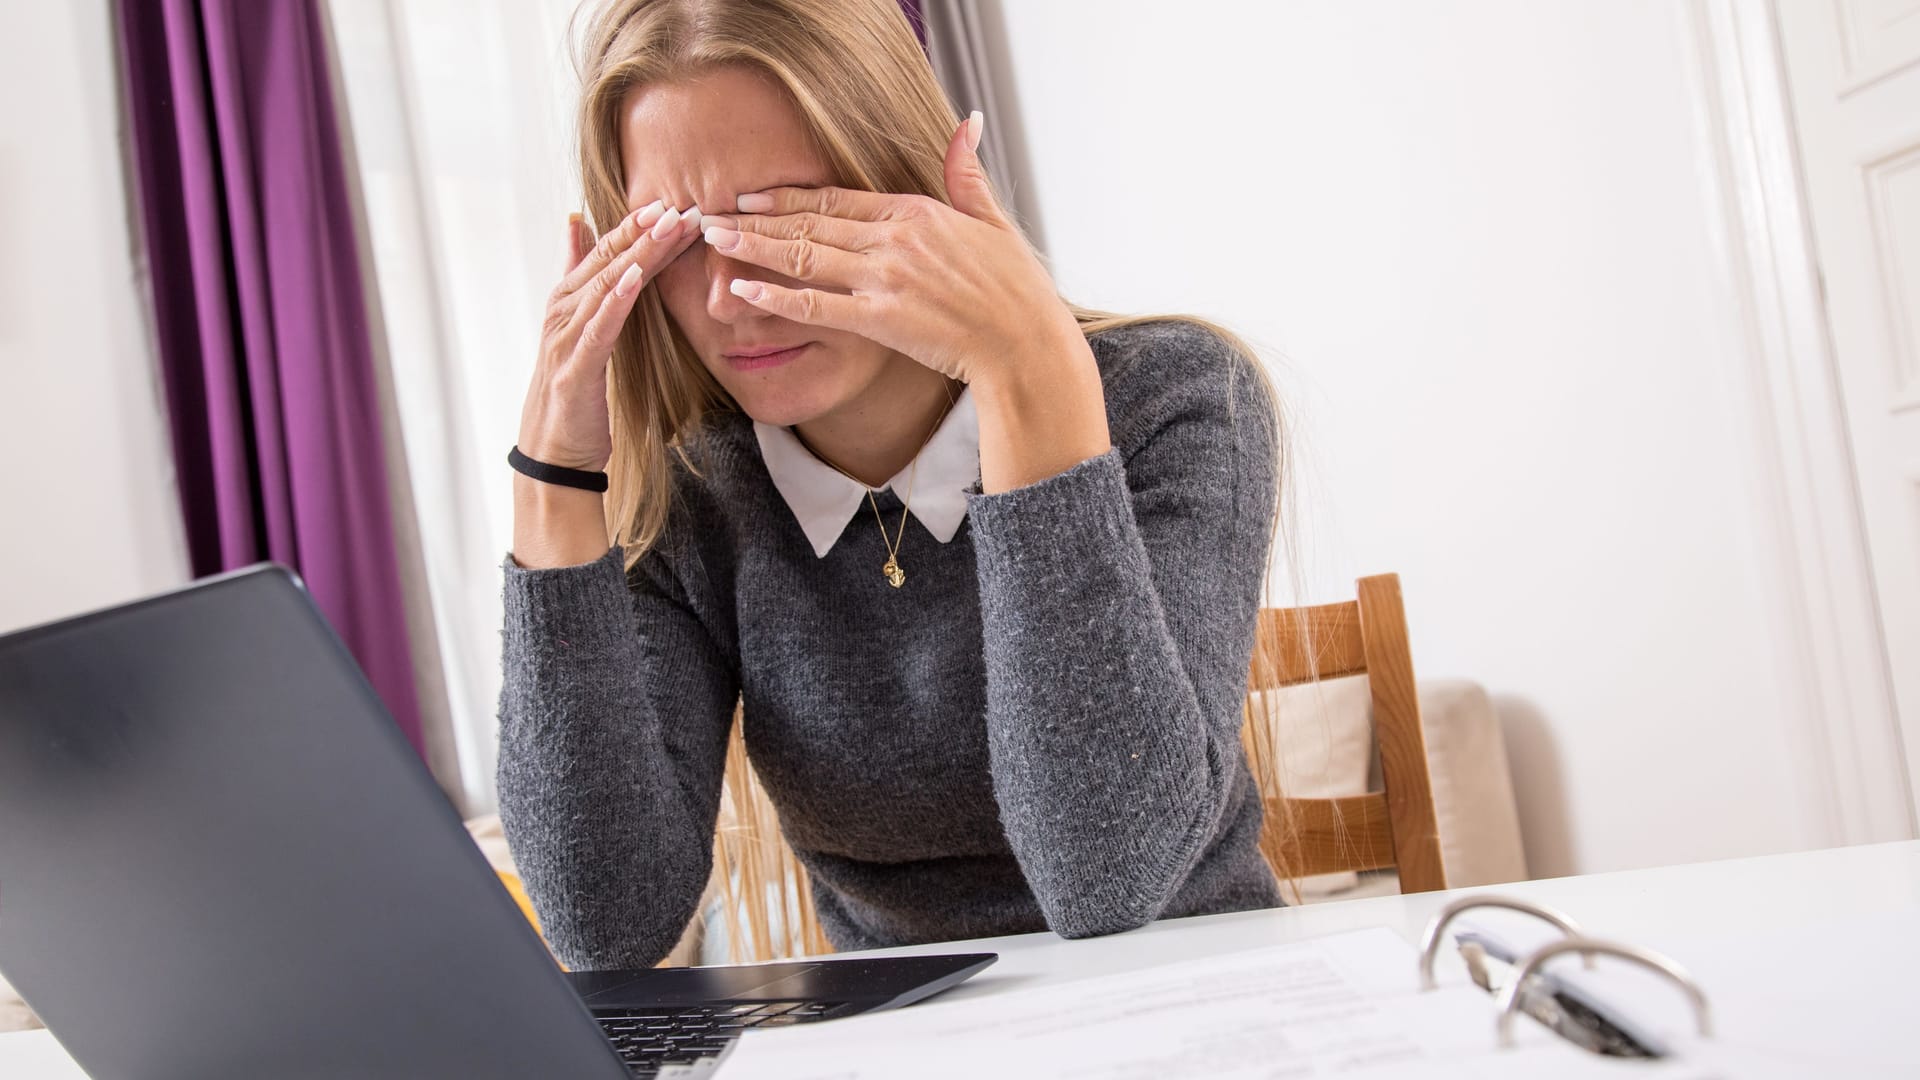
x=703, y=142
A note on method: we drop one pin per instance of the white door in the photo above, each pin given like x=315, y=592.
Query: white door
x=1853, y=67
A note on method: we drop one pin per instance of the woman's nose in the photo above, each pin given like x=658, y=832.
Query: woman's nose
x=722, y=304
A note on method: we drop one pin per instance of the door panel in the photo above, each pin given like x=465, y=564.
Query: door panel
x=1853, y=67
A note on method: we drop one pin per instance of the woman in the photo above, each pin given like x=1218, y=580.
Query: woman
x=982, y=567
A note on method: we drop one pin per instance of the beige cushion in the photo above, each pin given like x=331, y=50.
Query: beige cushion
x=1328, y=732
x=1325, y=744
x=1472, y=785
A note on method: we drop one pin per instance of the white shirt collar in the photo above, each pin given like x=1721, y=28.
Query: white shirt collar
x=823, y=499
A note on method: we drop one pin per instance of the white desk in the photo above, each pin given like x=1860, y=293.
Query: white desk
x=1738, y=896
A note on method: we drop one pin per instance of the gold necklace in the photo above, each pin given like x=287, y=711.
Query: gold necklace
x=895, y=576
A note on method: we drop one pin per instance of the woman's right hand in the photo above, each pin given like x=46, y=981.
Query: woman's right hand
x=565, y=421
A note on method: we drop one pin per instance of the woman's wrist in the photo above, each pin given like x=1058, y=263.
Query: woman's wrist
x=555, y=526
x=1040, y=415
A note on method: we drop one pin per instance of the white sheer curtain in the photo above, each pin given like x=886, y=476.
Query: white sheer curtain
x=461, y=119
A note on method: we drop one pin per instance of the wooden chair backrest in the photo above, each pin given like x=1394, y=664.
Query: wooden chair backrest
x=1390, y=829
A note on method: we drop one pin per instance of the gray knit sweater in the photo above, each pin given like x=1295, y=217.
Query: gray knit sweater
x=1040, y=730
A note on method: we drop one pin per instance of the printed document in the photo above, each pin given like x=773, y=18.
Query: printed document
x=1346, y=1006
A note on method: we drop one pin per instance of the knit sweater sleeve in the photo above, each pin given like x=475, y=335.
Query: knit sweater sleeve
x=614, y=714
x=1118, y=607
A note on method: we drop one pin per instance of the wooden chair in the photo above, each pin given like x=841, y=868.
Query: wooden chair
x=1390, y=829
x=768, y=908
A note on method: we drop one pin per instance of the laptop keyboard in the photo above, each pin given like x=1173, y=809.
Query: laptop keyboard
x=650, y=1039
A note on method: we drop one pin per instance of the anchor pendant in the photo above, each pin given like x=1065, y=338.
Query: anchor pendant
x=896, y=577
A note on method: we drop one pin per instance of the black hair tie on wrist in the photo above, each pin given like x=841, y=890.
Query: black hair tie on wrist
x=555, y=474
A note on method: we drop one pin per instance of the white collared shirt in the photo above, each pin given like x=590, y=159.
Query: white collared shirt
x=823, y=499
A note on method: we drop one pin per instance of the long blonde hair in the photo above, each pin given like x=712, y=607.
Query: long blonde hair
x=861, y=85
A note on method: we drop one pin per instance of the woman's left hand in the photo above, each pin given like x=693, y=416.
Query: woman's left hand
x=954, y=287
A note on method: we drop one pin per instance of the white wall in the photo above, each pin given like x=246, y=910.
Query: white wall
x=1476, y=241
x=88, y=515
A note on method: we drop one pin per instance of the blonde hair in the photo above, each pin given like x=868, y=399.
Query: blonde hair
x=863, y=88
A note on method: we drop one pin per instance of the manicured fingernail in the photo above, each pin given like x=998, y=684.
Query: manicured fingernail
x=666, y=223
x=756, y=203
x=691, y=219
x=648, y=214
x=723, y=239
x=975, y=121
x=746, y=290
x=629, y=281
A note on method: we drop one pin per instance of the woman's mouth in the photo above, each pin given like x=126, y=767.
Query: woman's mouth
x=760, y=357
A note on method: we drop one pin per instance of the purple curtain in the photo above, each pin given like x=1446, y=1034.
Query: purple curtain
x=264, y=345
x=917, y=18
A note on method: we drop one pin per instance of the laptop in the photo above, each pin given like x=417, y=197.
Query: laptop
x=220, y=858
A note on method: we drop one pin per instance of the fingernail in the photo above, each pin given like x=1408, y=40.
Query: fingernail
x=648, y=214
x=628, y=282
x=975, y=121
x=756, y=203
x=692, y=219
x=746, y=290
x=722, y=238
x=666, y=223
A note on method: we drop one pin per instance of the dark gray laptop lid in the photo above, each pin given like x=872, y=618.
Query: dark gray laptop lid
x=219, y=857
